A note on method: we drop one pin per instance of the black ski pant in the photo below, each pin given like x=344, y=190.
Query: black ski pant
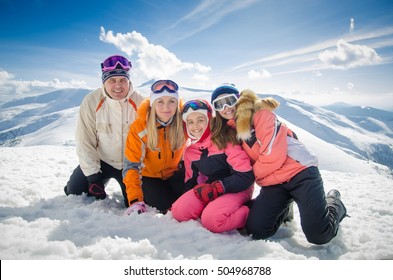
x=78, y=183
x=319, y=220
x=160, y=193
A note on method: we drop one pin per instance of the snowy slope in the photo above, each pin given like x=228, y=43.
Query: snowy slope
x=39, y=222
x=19, y=117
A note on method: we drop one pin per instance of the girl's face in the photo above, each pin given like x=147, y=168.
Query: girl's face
x=165, y=108
x=117, y=87
x=196, y=124
x=228, y=113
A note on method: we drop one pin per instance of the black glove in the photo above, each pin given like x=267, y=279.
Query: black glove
x=96, y=186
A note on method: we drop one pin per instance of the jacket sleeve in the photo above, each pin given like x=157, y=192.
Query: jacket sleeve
x=191, y=171
x=242, y=176
x=193, y=181
x=134, y=151
x=272, y=138
x=86, y=138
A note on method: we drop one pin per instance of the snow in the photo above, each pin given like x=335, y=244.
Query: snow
x=38, y=222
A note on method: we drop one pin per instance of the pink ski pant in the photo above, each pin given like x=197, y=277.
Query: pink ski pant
x=227, y=212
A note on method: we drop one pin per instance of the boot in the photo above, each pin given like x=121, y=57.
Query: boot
x=290, y=214
x=333, y=199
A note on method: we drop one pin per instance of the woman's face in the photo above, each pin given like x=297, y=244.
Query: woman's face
x=165, y=108
x=196, y=124
x=228, y=112
x=117, y=87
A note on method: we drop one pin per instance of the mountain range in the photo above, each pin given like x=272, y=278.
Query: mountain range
x=363, y=132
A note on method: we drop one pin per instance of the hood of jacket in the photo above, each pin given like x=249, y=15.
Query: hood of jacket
x=245, y=109
x=247, y=105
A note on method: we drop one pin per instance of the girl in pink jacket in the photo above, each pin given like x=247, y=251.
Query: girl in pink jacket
x=284, y=168
x=219, y=179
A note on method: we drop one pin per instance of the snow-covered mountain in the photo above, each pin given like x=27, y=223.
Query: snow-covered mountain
x=37, y=220
x=366, y=133
x=368, y=137
x=20, y=117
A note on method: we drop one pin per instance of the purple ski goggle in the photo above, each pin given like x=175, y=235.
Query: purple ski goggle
x=114, y=61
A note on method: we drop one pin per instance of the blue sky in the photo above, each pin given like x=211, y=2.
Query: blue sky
x=313, y=50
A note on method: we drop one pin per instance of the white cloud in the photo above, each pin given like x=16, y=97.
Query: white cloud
x=264, y=74
x=380, y=37
x=9, y=85
x=317, y=73
x=352, y=25
x=154, y=61
x=201, y=77
x=5, y=76
x=56, y=83
x=349, y=56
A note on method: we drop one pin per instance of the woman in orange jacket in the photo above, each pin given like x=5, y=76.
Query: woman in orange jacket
x=154, y=149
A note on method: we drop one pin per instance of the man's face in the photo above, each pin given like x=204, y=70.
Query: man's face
x=117, y=87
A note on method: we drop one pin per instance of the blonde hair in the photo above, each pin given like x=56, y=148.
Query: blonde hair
x=175, y=130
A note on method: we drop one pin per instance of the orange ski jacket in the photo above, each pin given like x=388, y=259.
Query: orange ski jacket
x=142, y=161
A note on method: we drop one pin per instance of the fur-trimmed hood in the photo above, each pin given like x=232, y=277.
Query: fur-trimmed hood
x=247, y=105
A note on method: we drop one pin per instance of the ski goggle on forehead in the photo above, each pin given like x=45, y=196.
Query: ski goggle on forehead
x=162, y=85
x=113, y=62
x=195, y=105
x=229, y=101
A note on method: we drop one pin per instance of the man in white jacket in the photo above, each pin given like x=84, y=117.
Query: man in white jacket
x=105, y=116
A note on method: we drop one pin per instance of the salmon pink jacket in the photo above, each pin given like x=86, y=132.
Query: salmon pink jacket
x=275, y=151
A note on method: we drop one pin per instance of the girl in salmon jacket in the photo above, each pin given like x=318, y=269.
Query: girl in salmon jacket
x=284, y=168
x=219, y=178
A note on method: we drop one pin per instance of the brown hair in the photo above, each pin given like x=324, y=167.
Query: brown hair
x=221, y=133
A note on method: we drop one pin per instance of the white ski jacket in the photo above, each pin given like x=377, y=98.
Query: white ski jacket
x=102, y=129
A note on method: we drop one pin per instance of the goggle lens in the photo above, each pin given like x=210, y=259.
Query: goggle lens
x=195, y=105
x=162, y=85
x=112, y=62
x=227, y=100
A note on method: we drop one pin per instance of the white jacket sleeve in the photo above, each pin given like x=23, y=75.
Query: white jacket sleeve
x=86, y=137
